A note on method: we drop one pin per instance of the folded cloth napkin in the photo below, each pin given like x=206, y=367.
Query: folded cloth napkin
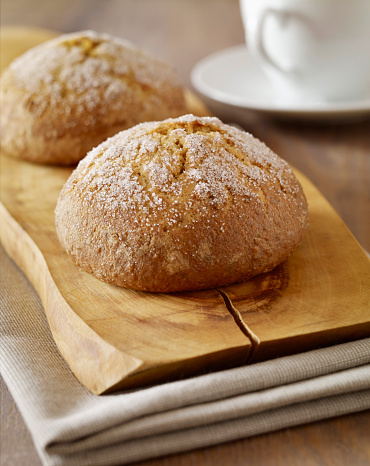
x=71, y=426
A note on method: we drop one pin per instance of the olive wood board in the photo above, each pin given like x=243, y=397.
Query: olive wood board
x=115, y=338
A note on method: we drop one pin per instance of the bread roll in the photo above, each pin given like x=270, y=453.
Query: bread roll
x=183, y=204
x=67, y=95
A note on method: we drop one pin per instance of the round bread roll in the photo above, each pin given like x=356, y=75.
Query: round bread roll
x=67, y=95
x=183, y=204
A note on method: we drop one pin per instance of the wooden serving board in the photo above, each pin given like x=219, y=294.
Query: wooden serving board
x=116, y=338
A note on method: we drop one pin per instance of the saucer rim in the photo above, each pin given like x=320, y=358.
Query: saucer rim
x=317, y=108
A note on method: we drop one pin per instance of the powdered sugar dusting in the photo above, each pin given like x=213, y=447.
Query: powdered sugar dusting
x=84, y=69
x=159, y=169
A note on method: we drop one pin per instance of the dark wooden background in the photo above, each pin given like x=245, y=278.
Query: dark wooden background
x=335, y=156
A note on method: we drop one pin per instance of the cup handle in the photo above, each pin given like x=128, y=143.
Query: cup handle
x=260, y=48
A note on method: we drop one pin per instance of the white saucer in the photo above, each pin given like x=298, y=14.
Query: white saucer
x=232, y=78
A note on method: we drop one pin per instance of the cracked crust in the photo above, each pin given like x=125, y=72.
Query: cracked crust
x=66, y=96
x=183, y=204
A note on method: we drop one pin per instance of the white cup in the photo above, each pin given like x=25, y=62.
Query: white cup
x=317, y=50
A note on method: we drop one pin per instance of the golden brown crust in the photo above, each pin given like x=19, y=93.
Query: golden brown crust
x=183, y=204
x=66, y=96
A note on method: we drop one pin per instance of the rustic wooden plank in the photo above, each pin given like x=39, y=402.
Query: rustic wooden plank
x=142, y=337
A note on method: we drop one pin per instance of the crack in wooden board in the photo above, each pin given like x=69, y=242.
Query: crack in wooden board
x=255, y=341
x=319, y=297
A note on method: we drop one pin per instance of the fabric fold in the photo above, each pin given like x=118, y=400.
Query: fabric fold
x=228, y=409
x=214, y=434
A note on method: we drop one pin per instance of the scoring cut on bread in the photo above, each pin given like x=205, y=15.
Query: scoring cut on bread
x=182, y=204
x=67, y=95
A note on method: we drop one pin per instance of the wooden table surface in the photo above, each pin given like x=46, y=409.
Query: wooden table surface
x=336, y=157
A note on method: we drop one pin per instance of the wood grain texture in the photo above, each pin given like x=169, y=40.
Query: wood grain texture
x=114, y=337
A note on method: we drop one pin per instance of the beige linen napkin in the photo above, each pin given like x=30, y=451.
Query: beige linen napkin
x=70, y=426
